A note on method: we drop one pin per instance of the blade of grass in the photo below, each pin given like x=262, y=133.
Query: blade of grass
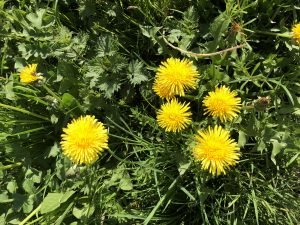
x=254, y=200
x=161, y=201
x=24, y=111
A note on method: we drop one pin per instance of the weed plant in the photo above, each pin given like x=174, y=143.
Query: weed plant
x=101, y=58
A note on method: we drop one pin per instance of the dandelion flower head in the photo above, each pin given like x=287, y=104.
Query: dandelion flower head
x=84, y=139
x=174, y=77
x=296, y=33
x=222, y=103
x=29, y=74
x=174, y=116
x=215, y=150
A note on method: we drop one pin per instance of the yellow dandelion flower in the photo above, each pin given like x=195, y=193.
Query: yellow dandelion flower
x=222, y=103
x=174, y=77
x=215, y=150
x=84, y=139
x=174, y=116
x=296, y=33
x=29, y=74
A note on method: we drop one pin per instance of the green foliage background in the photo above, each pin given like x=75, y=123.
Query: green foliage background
x=99, y=57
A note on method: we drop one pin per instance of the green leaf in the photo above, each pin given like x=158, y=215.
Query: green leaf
x=150, y=32
x=277, y=147
x=125, y=183
x=12, y=186
x=36, y=19
x=54, y=150
x=8, y=88
x=28, y=186
x=4, y=198
x=109, y=87
x=107, y=46
x=19, y=201
x=77, y=212
x=28, y=204
x=217, y=29
x=51, y=202
x=54, y=200
x=242, y=139
x=70, y=103
x=136, y=74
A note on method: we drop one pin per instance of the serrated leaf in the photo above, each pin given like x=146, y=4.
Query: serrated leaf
x=149, y=31
x=136, y=74
x=54, y=150
x=217, y=29
x=174, y=36
x=34, y=175
x=107, y=46
x=36, y=19
x=109, y=87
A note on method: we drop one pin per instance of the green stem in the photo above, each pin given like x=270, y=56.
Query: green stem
x=23, y=111
x=51, y=93
x=10, y=166
x=286, y=35
x=248, y=107
x=31, y=215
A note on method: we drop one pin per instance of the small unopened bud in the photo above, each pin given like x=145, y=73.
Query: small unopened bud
x=261, y=103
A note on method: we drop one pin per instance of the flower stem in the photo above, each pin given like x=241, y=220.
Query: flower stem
x=51, y=93
x=10, y=166
x=286, y=35
x=23, y=111
x=31, y=215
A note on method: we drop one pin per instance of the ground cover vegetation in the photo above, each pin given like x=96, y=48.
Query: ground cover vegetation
x=149, y=112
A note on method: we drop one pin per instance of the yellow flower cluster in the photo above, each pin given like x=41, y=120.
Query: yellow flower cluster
x=214, y=148
x=84, y=138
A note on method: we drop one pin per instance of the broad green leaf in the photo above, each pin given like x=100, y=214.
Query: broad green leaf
x=12, y=186
x=28, y=186
x=54, y=200
x=77, y=212
x=70, y=103
x=4, y=198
